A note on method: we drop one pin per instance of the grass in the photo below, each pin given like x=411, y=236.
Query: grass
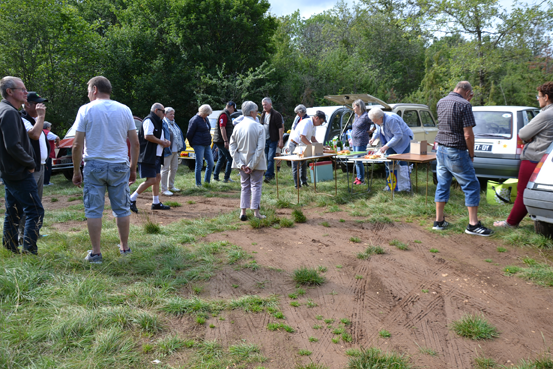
x=313, y=339
x=384, y=334
x=279, y=326
x=434, y=251
x=400, y=245
x=355, y=239
x=540, y=274
x=310, y=366
x=484, y=363
x=298, y=216
x=322, y=269
x=325, y=224
x=501, y=249
x=474, y=327
x=303, y=352
x=286, y=223
x=172, y=204
x=369, y=251
x=308, y=276
x=375, y=358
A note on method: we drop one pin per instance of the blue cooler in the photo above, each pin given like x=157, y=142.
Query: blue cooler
x=324, y=171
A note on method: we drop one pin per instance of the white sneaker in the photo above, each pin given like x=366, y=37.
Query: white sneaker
x=174, y=189
x=167, y=193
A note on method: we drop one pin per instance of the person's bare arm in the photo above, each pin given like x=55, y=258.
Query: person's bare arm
x=135, y=151
x=34, y=134
x=280, y=134
x=305, y=140
x=77, y=155
x=313, y=139
x=469, y=139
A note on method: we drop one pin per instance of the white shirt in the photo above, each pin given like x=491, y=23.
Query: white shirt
x=41, y=142
x=266, y=125
x=306, y=128
x=149, y=130
x=106, y=124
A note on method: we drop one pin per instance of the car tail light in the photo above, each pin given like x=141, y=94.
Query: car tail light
x=538, y=168
x=520, y=146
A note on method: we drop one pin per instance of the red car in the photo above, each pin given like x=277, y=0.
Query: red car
x=63, y=162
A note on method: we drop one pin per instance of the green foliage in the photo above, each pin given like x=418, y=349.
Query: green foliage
x=303, y=352
x=371, y=250
x=375, y=358
x=298, y=216
x=400, y=245
x=384, y=334
x=474, y=327
x=308, y=276
x=279, y=326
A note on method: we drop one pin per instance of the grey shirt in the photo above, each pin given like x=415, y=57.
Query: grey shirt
x=540, y=132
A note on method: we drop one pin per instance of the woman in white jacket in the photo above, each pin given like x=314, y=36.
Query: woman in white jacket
x=247, y=148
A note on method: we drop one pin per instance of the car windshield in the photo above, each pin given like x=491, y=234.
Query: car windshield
x=213, y=122
x=493, y=124
x=71, y=132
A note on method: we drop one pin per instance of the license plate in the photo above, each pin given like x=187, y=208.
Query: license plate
x=483, y=147
x=66, y=161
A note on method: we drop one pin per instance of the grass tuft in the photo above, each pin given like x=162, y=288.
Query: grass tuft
x=474, y=327
x=151, y=227
x=308, y=277
x=371, y=250
x=286, y=223
x=298, y=216
x=384, y=334
x=400, y=245
x=355, y=239
x=375, y=358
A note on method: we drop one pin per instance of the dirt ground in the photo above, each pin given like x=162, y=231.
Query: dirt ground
x=413, y=294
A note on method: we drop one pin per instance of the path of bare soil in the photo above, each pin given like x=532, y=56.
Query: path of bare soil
x=414, y=294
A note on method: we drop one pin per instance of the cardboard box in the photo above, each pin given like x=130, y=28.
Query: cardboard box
x=310, y=150
x=419, y=147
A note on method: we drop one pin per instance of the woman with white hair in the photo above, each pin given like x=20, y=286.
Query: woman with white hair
x=395, y=136
x=247, y=148
x=199, y=137
x=171, y=153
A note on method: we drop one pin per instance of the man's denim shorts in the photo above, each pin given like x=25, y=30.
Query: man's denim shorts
x=150, y=170
x=456, y=163
x=99, y=176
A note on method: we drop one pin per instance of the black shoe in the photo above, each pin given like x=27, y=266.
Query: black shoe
x=297, y=187
x=216, y=179
x=440, y=226
x=478, y=230
x=305, y=184
x=30, y=252
x=160, y=206
x=243, y=217
x=267, y=180
x=133, y=207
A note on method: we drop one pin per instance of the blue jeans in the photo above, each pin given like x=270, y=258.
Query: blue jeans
x=22, y=198
x=101, y=175
x=223, y=152
x=270, y=153
x=456, y=163
x=359, y=167
x=203, y=152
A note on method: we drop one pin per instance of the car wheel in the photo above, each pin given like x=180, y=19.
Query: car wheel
x=191, y=164
x=543, y=228
x=68, y=174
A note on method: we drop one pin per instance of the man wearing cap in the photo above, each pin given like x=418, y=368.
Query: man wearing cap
x=17, y=163
x=221, y=139
x=273, y=123
x=304, y=134
x=33, y=116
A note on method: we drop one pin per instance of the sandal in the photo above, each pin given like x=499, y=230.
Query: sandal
x=503, y=223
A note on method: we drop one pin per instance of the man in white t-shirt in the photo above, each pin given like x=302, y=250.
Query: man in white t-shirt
x=102, y=129
x=152, y=143
x=304, y=134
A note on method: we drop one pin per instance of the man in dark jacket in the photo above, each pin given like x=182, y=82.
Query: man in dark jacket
x=221, y=140
x=152, y=142
x=274, y=129
x=17, y=163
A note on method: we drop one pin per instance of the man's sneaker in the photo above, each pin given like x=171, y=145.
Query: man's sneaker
x=305, y=184
x=125, y=252
x=216, y=179
x=93, y=259
x=267, y=180
x=228, y=180
x=174, y=189
x=440, y=226
x=478, y=230
x=167, y=193
x=133, y=207
x=48, y=184
x=160, y=206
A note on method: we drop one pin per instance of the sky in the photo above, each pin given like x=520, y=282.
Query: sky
x=309, y=7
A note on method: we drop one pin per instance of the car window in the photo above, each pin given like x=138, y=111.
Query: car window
x=493, y=123
x=346, y=117
x=411, y=118
x=335, y=124
x=213, y=122
x=427, y=120
x=529, y=116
